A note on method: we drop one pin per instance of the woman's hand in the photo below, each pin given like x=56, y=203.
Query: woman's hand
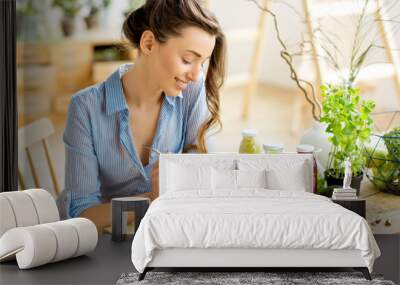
x=155, y=182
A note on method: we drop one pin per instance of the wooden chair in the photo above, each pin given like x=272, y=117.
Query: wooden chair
x=29, y=136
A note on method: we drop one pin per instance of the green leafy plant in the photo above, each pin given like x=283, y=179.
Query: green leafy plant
x=322, y=188
x=383, y=161
x=350, y=124
x=96, y=5
x=133, y=5
x=375, y=157
x=392, y=142
x=28, y=20
x=70, y=8
x=108, y=54
x=349, y=121
x=26, y=8
x=346, y=65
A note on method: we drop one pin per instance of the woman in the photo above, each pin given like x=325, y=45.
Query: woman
x=163, y=102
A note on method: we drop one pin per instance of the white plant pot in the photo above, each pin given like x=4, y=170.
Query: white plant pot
x=317, y=137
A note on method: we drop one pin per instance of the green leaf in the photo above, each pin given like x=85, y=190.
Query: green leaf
x=349, y=120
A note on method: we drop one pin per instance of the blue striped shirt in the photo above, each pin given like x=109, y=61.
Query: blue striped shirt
x=101, y=161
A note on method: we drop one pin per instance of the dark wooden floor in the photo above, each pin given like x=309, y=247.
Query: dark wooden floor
x=102, y=266
x=106, y=264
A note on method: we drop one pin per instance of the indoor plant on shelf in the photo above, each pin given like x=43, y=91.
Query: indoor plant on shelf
x=95, y=6
x=350, y=123
x=70, y=9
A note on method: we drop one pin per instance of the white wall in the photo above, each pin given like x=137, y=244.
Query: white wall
x=273, y=70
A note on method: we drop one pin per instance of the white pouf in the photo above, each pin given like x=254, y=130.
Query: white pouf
x=41, y=244
x=31, y=232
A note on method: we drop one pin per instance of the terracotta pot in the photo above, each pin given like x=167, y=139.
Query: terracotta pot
x=92, y=21
x=68, y=25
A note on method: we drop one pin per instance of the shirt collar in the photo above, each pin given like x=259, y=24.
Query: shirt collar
x=172, y=99
x=115, y=99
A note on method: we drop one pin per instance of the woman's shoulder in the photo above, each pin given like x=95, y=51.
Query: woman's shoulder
x=89, y=97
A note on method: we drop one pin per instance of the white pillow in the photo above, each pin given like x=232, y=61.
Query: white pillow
x=280, y=180
x=251, y=178
x=188, y=177
x=284, y=172
x=223, y=179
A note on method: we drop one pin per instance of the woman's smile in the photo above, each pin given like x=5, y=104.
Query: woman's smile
x=173, y=40
x=180, y=83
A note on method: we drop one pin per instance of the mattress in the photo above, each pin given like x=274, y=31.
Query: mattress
x=250, y=219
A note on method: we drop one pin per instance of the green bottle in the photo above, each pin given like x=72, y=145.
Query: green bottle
x=249, y=143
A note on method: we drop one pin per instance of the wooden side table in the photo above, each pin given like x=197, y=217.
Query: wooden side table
x=120, y=207
x=356, y=205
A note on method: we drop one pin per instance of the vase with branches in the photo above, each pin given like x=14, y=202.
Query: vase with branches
x=347, y=118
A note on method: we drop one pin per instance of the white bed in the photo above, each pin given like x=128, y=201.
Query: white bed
x=209, y=222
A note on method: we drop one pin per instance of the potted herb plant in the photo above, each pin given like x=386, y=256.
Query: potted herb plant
x=338, y=63
x=70, y=10
x=95, y=6
x=350, y=124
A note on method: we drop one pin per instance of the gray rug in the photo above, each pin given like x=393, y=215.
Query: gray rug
x=231, y=278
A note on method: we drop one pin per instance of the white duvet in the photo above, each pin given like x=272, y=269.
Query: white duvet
x=252, y=218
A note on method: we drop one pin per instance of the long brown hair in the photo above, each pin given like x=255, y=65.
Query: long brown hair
x=166, y=18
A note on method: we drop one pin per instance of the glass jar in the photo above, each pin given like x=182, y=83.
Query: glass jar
x=249, y=143
x=273, y=148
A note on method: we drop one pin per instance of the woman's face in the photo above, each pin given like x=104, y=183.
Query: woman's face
x=181, y=59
